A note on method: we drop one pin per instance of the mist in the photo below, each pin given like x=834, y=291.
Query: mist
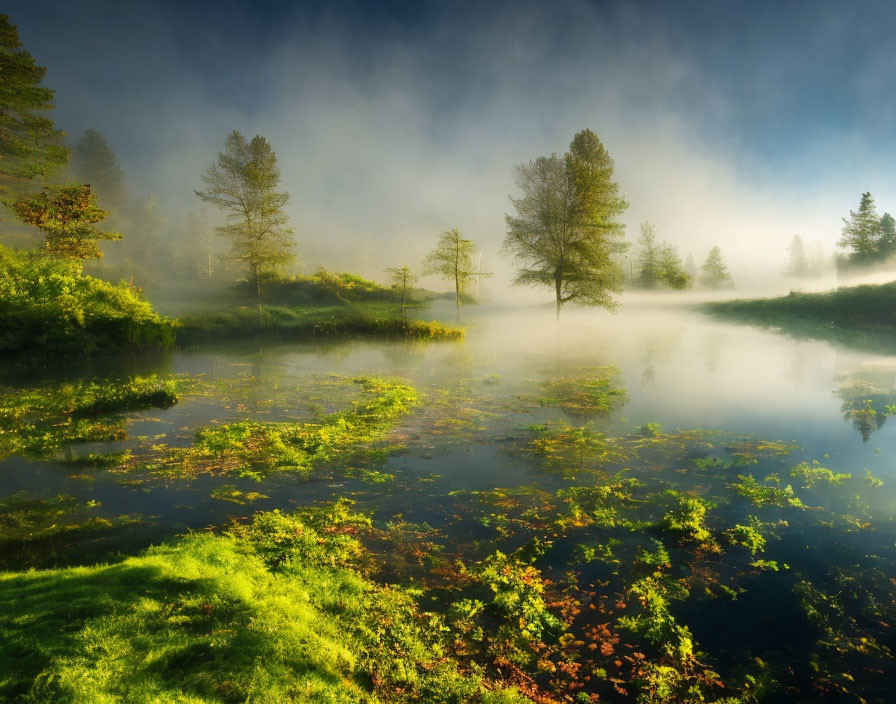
x=393, y=126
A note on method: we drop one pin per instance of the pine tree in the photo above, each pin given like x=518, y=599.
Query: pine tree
x=797, y=260
x=690, y=266
x=648, y=256
x=243, y=182
x=715, y=273
x=30, y=146
x=670, y=270
x=565, y=233
x=68, y=216
x=94, y=162
x=886, y=245
x=861, y=232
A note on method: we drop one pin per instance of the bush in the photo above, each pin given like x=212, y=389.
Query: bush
x=48, y=304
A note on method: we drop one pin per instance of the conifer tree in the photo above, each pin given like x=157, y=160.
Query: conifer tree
x=94, y=162
x=30, y=145
x=861, y=231
x=648, y=256
x=797, y=259
x=714, y=272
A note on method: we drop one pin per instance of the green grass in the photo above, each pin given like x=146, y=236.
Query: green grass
x=276, y=611
x=369, y=319
x=863, y=316
x=48, y=304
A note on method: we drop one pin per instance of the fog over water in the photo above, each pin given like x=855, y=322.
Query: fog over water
x=394, y=125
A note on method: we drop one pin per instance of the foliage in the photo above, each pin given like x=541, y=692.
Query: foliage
x=257, y=615
x=252, y=446
x=862, y=233
x=68, y=216
x=39, y=421
x=566, y=230
x=761, y=495
x=748, y=535
x=658, y=262
x=402, y=280
x=452, y=260
x=243, y=182
x=715, y=273
x=814, y=473
x=30, y=146
x=288, y=323
x=48, y=304
x=570, y=449
x=687, y=517
x=94, y=162
x=593, y=391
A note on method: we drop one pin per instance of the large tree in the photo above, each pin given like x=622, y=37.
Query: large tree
x=30, y=145
x=68, y=215
x=452, y=260
x=93, y=161
x=243, y=182
x=715, y=273
x=861, y=231
x=565, y=232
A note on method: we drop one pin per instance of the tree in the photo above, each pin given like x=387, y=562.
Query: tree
x=670, y=269
x=565, y=231
x=861, y=232
x=715, y=273
x=200, y=237
x=452, y=260
x=68, y=215
x=402, y=280
x=648, y=256
x=94, y=162
x=243, y=182
x=30, y=145
x=887, y=243
x=797, y=259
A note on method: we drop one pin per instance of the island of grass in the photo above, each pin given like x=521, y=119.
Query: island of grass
x=49, y=305
x=323, y=304
x=862, y=316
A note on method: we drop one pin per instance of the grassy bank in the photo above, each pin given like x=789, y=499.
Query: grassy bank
x=277, y=610
x=862, y=316
x=281, y=323
x=47, y=304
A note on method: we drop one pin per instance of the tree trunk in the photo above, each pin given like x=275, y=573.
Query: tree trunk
x=457, y=297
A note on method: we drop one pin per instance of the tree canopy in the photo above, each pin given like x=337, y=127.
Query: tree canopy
x=715, y=273
x=243, y=182
x=68, y=215
x=565, y=232
x=93, y=161
x=452, y=260
x=30, y=145
x=402, y=280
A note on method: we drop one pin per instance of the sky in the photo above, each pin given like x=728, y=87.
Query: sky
x=736, y=124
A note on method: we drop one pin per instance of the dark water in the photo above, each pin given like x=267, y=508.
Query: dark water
x=679, y=368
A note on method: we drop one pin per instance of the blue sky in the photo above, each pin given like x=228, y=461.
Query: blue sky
x=725, y=118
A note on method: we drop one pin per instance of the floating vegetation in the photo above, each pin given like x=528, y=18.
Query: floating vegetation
x=255, y=448
x=813, y=473
x=228, y=492
x=593, y=391
x=39, y=422
x=762, y=495
x=571, y=449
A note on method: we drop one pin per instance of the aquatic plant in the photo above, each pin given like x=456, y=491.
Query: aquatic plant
x=283, y=446
x=814, y=473
x=39, y=421
x=570, y=449
x=686, y=516
x=761, y=495
x=592, y=391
